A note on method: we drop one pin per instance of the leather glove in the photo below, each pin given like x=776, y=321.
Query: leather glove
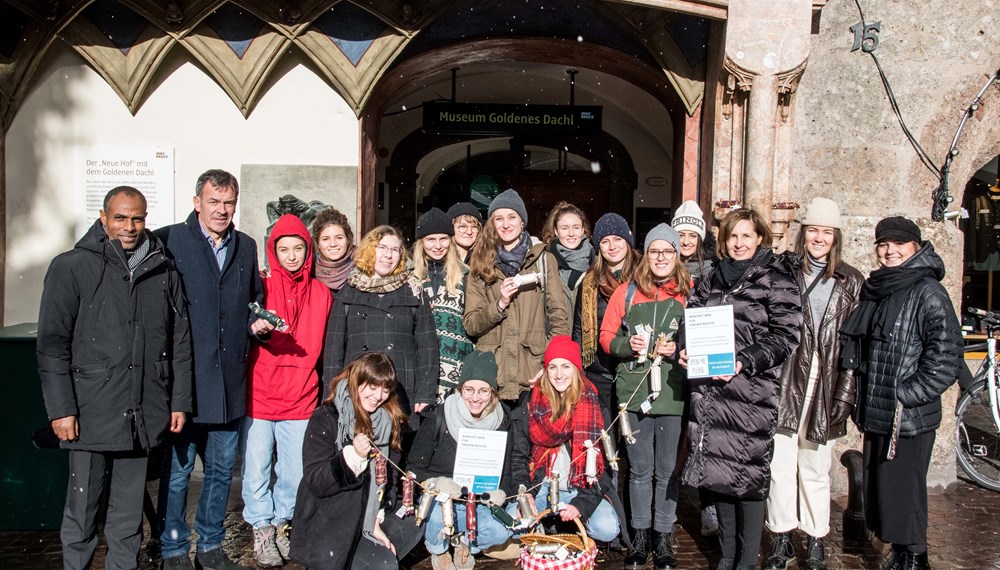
x=446, y=485
x=840, y=412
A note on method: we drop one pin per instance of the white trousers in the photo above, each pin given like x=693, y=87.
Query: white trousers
x=800, y=477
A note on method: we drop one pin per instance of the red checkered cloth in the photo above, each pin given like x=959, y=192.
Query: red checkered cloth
x=585, y=560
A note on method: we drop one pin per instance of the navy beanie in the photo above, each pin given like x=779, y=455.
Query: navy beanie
x=612, y=224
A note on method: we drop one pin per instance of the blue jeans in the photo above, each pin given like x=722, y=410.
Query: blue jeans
x=261, y=505
x=490, y=532
x=602, y=526
x=216, y=444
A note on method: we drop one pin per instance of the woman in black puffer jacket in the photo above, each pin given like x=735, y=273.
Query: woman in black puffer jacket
x=733, y=418
x=905, y=344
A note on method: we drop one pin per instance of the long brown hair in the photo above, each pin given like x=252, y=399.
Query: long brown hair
x=375, y=369
x=562, y=405
x=832, y=259
x=484, y=255
x=604, y=276
x=364, y=257
x=552, y=221
x=728, y=224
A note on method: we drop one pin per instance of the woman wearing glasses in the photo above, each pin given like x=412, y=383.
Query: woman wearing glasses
x=514, y=299
x=468, y=222
x=384, y=309
x=474, y=406
x=734, y=418
x=640, y=329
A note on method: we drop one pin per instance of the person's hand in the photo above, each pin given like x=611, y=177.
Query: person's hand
x=177, y=420
x=417, y=408
x=508, y=290
x=840, y=412
x=728, y=377
x=260, y=326
x=569, y=513
x=667, y=349
x=381, y=537
x=362, y=444
x=637, y=343
x=538, y=376
x=683, y=359
x=66, y=428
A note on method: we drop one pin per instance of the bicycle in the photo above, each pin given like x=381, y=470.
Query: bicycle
x=978, y=412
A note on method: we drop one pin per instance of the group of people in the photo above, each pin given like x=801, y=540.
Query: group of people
x=345, y=375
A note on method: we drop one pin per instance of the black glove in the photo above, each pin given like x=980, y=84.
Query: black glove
x=840, y=412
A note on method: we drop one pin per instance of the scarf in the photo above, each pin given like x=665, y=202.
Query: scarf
x=547, y=436
x=381, y=433
x=378, y=284
x=509, y=262
x=882, y=298
x=573, y=263
x=730, y=271
x=458, y=416
x=334, y=274
x=590, y=328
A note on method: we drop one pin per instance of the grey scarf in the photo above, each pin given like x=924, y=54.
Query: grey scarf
x=573, y=263
x=458, y=416
x=509, y=262
x=382, y=431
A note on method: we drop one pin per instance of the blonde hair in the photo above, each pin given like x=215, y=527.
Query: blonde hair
x=562, y=405
x=454, y=268
x=646, y=281
x=364, y=258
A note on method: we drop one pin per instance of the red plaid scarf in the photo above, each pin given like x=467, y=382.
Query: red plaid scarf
x=547, y=436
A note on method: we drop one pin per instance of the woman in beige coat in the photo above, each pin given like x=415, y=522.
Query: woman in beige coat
x=510, y=315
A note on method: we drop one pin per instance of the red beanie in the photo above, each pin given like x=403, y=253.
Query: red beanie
x=563, y=346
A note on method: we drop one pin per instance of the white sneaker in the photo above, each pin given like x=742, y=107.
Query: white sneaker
x=282, y=539
x=265, y=550
x=709, y=521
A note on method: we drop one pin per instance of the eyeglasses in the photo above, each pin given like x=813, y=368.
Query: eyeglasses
x=386, y=250
x=661, y=253
x=469, y=391
x=469, y=228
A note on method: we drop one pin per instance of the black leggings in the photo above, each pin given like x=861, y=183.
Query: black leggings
x=741, y=524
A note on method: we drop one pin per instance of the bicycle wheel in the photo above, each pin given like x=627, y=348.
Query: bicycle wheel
x=978, y=445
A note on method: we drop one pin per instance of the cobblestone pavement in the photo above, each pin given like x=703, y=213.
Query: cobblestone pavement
x=963, y=534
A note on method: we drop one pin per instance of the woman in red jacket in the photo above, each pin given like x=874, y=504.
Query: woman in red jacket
x=282, y=388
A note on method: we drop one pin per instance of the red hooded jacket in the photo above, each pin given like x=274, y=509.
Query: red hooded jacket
x=283, y=382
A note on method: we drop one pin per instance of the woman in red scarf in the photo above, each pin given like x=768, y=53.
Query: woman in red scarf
x=552, y=429
x=282, y=388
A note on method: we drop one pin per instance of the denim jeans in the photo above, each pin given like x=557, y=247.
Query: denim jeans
x=603, y=525
x=216, y=444
x=261, y=505
x=490, y=532
x=654, y=453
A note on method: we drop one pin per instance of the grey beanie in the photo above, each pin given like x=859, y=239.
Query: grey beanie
x=434, y=221
x=479, y=366
x=509, y=199
x=664, y=232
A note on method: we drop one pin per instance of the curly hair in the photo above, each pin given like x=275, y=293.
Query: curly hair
x=552, y=221
x=331, y=217
x=364, y=257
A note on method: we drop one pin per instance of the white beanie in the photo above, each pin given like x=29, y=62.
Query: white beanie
x=822, y=212
x=689, y=217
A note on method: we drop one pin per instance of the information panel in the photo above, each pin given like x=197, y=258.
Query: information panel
x=149, y=169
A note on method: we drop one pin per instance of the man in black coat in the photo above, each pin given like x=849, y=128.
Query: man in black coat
x=114, y=358
x=218, y=267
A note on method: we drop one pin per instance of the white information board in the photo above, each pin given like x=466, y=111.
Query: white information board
x=479, y=459
x=149, y=169
x=711, y=341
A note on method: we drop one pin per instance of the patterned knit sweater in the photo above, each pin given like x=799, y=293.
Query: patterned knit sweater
x=453, y=342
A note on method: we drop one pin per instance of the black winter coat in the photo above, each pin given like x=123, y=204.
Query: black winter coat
x=432, y=453
x=917, y=363
x=220, y=319
x=731, y=431
x=331, y=500
x=114, y=349
x=398, y=323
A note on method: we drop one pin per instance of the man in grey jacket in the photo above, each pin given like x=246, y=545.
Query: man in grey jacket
x=114, y=358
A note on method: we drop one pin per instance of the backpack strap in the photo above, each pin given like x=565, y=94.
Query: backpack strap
x=629, y=296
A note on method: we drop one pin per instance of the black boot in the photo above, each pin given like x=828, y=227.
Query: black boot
x=663, y=551
x=898, y=560
x=638, y=556
x=782, y=552
x=916, y=561
x=815, y=554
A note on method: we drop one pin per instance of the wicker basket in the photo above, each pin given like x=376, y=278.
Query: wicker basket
x=582, y=552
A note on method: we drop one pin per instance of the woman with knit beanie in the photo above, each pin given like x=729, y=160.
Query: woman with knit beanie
x=474, y=406
x=611, y=267
x=734, y=417
x=567, y=233
x=514, y=301
x=552, y=430
x=384, y=309
x=640, y=328
x=334, y=242
x=697, y=246
x=467, y=222
x=436, y=263
x=816, y=394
